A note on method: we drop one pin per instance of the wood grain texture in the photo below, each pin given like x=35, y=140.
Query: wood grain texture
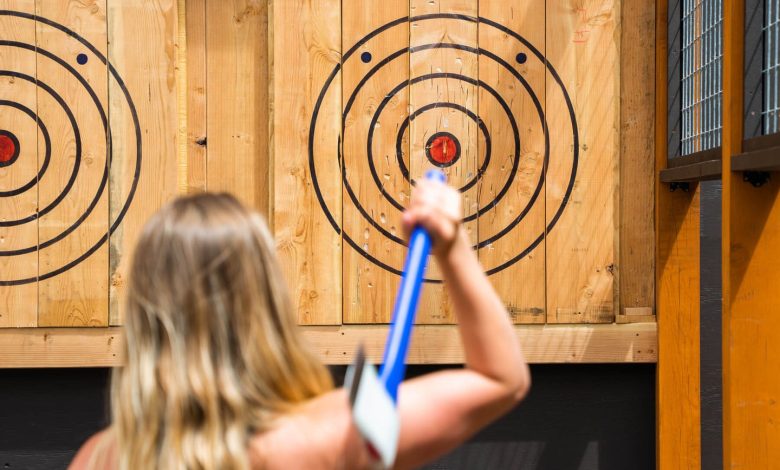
x=637, y=126
x=678, y=429
x=435, y=305
x=431, y=344
x=60, y=347
x=197, y=143
x=751, y=242
x=237, y=109
x=583, y=46
x=523, y=201
x=309, y=247
x=78, y=296
x=149, y=74
x=19, y=303
x=368, y=289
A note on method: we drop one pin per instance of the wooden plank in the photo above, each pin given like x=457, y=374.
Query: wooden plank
x=60, y=347
x=636, y=264
x=79, y=295
x=583, y=46
x=431, y=344
x=511, y=230
x=369, y=289
x=450, y=91
x=18, y=121
x=237, y=110
x=620, y=319
x=751, y=325
x=195, y=24
x=678, y=433
x=310, y=248
x=146, y=78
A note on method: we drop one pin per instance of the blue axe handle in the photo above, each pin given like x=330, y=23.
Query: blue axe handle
x=394, y=361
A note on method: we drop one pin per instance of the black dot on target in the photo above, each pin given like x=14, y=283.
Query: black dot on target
x=521, y=58
x=9, y=148
x=366, y=57
x=82, y=59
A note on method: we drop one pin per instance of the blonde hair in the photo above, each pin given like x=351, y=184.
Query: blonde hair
x=212, y=349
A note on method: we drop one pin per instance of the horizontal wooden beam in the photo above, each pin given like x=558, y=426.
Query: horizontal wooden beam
x=60, y=347
x=431, y=344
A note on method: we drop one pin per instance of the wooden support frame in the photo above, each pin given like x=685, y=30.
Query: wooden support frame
x=431, y=344
x=751, y=276
x=678, y=433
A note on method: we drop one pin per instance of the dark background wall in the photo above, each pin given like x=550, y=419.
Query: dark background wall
x=581, y=417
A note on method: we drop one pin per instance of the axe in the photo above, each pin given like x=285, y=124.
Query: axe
x=373, y=397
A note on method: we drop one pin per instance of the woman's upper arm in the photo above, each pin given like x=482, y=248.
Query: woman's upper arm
x=439, y=411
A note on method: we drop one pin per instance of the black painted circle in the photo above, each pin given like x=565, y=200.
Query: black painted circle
x=521, y=58
x=488, y=143
x=73, y=174
x=365, y=57
x=11, y=138
x=82, y=59
x=550, y=69
x=481, y=171
x=109, y=158
x=46, y=145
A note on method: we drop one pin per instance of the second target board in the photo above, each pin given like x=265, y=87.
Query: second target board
x=510, y=139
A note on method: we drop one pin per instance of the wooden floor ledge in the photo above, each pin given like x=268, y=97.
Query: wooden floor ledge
x=431, y=344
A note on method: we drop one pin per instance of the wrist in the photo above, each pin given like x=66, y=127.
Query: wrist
x=457, y=252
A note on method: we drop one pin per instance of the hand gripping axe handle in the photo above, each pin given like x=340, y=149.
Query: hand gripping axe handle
x=373, y=397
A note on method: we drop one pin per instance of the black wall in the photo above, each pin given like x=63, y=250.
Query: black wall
x=580, y=417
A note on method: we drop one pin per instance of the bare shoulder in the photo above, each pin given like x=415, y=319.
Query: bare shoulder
x=96, y=453
x=318, y=435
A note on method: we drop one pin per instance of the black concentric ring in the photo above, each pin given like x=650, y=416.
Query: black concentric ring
x=104, y=181
x=480, y=51
x=46, y=142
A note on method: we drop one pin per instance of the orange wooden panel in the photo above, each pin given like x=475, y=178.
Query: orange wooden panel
x=20, y=167
x=678, y=431
x=307, y=91
x=375, y=100
x=74, y=193
x=441, y=103
x=144, y=128
x=751, y=276
x=513, y=72
x=581, y=189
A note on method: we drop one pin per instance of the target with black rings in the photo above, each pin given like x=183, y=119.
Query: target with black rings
x=325, y=152
x=59, y=116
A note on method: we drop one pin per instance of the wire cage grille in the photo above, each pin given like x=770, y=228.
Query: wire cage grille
x=771, y=71
x=702, y=85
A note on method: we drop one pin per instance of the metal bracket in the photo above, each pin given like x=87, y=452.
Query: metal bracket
x=756, y=178
x=675, y=185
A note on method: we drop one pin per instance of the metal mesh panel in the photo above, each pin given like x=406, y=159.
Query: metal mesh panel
x=702, y=86
x=771, y=71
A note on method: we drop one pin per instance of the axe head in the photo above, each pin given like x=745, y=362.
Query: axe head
x=373, y=409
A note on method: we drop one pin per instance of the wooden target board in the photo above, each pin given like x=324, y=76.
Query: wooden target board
x=322, y=114
x=518, y=104
x=82, y=158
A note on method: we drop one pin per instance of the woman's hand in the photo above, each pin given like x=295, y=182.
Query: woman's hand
x=436, y=207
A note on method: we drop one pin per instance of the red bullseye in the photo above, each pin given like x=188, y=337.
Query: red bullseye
x=9, y=148
x=442, y=149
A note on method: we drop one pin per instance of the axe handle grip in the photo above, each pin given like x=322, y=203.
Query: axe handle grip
x=394, y=360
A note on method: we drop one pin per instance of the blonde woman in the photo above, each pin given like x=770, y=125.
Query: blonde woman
x=218, y=377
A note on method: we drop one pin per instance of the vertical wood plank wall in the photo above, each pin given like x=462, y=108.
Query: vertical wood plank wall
x=751, y=276
x=19, y=303
x=678, y=429
x=252, y=84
